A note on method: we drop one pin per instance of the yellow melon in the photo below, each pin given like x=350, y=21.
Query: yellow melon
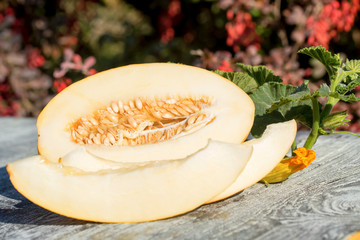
x=146, y=142
x=269, y=150
x=136, y=193
x=144, y=112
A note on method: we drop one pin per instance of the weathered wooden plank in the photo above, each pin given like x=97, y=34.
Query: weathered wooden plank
x=321, y=202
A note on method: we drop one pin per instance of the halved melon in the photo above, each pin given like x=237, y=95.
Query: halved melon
x=136, y=193
x=110, y=145
x=269, y=150
x=144, y=112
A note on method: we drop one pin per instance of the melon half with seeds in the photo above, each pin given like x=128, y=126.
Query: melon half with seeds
x=144, y=112
x=146, y=142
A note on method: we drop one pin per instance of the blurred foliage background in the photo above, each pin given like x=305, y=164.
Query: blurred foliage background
x=47, y=45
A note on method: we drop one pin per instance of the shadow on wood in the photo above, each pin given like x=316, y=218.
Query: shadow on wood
x=15, y=208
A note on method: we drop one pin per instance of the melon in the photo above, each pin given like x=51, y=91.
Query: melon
x=136, y=193
x=146, y=142
x=145, y=112
x=269, y=150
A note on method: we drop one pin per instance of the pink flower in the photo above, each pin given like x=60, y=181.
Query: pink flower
x=35, y=59
x=225, y=66
x=61, y=84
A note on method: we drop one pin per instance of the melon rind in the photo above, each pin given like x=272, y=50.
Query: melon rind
x=233, y=108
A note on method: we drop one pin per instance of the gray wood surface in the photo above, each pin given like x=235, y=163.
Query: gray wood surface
x=321, y=202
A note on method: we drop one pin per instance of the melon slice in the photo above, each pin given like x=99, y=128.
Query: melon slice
x=144, y=112
x=85, y=161
x=269, y=150
x=148, y=192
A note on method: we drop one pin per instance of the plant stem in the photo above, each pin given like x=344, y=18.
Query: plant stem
x=314, y=134
x=351, y=133
x=293, y=147
x=329, y=105
x=331, y=101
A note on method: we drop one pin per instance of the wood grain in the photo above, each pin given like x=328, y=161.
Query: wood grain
x=321, y=202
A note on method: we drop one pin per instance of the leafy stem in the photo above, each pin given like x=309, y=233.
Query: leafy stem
x=278, y=102
x=329, y=106
x=331, y=100
x=314, y=134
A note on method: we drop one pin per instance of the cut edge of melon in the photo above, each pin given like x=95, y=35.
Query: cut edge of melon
x=268, y=151
x=171, y=188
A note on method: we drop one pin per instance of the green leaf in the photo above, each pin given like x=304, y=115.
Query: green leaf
x=344, y=88
x=323, y=91
x=260, y=73
x=242, y=80
x=252, y=77
x=299, y=94
x=266, y=95
x=331, y=62
x=261, y=121
x=285, y=98
x=351, y=98
x=352, y=65
x=345, y=76
x=335, y=120
x=348, y=76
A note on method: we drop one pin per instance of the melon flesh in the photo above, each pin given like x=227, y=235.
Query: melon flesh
x=134, y=194
x=232, y=109
x=268, y=151
x=85, y=161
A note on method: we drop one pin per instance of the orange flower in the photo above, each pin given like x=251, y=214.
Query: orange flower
x=288, y=166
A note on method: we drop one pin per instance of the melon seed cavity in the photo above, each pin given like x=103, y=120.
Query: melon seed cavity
x=143, y=121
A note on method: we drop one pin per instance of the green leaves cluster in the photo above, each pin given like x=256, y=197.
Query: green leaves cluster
x=278, y=102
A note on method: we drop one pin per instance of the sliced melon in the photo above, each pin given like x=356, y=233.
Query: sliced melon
x=131, y=144
x=80, y=158
x=144, y=112
x=269, y=150
x=134, y=194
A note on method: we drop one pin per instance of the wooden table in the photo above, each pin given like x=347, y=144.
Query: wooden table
x=321, y=202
